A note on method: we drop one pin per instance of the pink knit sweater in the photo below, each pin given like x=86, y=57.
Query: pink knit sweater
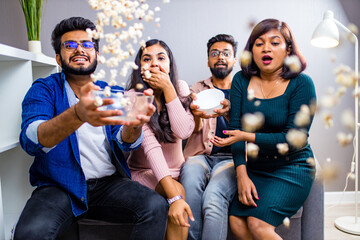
x=153, y=161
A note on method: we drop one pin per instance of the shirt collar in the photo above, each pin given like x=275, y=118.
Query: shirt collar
x=209, y=83
x=69, y=92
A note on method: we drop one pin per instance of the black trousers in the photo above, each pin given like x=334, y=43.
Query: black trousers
x=48, y=213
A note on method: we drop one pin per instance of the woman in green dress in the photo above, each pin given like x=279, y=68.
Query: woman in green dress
x=271, y=114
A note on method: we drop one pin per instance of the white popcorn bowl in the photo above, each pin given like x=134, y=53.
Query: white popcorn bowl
x=209, y=100
x=130, y=103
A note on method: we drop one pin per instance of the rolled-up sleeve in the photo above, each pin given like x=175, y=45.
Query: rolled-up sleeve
x=129, y=146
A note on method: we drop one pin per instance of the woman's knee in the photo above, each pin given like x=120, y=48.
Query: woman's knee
x=258, y=228
x=238, y=227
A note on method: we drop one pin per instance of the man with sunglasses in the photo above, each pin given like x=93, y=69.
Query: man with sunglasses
x=79, y=168
x=208, y=174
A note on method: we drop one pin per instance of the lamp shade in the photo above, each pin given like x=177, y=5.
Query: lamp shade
x=326, y=34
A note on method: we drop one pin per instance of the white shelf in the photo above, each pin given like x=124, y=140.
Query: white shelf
x=8, y=145
x=18, y=69
x=8, y=53
x=2, y=234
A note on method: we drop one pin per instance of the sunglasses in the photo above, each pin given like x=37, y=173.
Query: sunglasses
x=72, y=45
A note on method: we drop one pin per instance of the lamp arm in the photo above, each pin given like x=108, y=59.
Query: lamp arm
x=343, y=27
x=356, y=45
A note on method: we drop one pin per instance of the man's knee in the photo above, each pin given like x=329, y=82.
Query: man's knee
x=215, y=201
x=46, y=214
x=194, y=170
x=157, y=206
x=34, y=230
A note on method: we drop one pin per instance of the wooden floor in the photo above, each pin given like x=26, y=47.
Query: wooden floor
x=331, y=232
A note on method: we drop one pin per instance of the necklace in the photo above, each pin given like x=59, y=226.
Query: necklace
x=272, y=89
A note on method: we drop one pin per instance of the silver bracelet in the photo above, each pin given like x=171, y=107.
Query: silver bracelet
x=173, y=199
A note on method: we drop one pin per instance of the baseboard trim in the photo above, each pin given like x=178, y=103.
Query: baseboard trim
x=340, y=197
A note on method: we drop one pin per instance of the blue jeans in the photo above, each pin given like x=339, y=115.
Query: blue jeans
x=48, y=213
x=210, y=184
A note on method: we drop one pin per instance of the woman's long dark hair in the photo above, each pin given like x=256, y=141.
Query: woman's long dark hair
x=263, y=27
x=159, y=123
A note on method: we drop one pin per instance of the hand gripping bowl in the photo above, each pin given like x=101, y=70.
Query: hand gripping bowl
x=209, y=100
x=130, y=103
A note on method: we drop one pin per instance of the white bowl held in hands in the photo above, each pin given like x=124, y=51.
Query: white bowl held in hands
x=130, y=103
x=209, y=100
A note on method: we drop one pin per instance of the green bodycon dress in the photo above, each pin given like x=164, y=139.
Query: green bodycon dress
x=283, y=182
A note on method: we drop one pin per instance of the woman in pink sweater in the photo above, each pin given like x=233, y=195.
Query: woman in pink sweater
x=157, y=162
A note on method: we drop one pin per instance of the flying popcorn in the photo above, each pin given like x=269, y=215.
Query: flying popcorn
x=354, y=29
x=352, y=176
x=107, y=91
x=342, y=69
x=328, y=120
x=120, y=94
x=356, y=92
x=252, y=122
x=296, y=138
x=112, y=82
x=293, y=63
x=329, y=101
x=252, y=150
x=124, y=102
x=302, y=117
x=147, y=74
x=313, y=107
x=329, y=171
x=257, y=103
x=311, y=161
x=251, y=23
x=286, y=222
x=250, y=94
x=346, y=79
x=126, y=18
x=98, y=101
x=283, y=148
x=344, y=139
x=100, y=75
x=139, y=87
x=102, y=59
x=341, y=91
x=245, y=58
x=347, y=119
x=145, y=67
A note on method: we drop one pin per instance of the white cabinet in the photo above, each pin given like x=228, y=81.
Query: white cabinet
x=18, y=69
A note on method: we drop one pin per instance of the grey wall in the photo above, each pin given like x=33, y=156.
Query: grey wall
x=186, y=25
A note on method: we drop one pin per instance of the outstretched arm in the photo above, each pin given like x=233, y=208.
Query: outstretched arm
x=55, y=130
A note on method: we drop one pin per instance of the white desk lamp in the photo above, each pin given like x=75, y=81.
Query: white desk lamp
x=326, y=35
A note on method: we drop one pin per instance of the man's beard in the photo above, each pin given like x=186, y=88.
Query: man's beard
x=78, y=71
x=221, y=73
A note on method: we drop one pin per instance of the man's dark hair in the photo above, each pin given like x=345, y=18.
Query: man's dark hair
x=222, y=38
x=68, y=25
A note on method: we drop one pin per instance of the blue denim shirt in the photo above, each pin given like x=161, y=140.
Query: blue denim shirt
x=60, y=165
